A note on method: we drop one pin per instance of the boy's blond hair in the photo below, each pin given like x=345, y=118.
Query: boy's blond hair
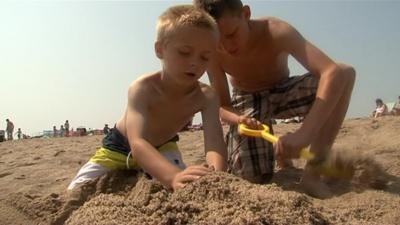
x=180, y=16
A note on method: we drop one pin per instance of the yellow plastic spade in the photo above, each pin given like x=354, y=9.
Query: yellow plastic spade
x=305, y=153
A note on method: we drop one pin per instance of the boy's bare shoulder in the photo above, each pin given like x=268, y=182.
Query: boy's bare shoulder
x=280, y=33
x=144, y=82
x=276, y=27
x=140, y=88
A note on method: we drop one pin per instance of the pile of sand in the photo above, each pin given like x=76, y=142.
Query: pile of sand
x=219, y=198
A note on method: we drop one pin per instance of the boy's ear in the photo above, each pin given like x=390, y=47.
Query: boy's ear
x=158, y=49
x=246, y=12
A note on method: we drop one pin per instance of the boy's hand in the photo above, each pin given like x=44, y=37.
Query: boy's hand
x=189, y=174
x=290, y=145
x=251, y=123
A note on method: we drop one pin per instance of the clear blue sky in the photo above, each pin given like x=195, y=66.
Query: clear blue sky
x=74, y=60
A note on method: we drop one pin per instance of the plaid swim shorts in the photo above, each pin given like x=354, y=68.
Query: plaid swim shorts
x=253, y=158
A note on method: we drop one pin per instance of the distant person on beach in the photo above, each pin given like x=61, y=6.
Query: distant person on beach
x=19, y=133
x=106, y=129
x=54, y=131
x=396, y=108
x=2, y=136
x=9, y=130
x=255, y=52
x=381, y=109
x=62, y=131
x=161, y=103
x=188, y=126
x=66, y=127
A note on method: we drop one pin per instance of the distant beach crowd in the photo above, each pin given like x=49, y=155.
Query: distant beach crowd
x=385, y=109
x=64, y=131
x=382, y=109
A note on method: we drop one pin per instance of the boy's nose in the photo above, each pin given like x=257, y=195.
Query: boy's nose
x=195, y=61
x=193, y=66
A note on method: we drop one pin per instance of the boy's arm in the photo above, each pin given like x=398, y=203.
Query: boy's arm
x=214, y=145
x=149, y=159
x=219, y=82
x=330, y=85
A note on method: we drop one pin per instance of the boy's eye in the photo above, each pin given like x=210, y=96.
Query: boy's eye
x=231, y=35
x=184, y=53
x=205, y=59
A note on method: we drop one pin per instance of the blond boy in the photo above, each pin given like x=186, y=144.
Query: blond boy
x=160, y=104
x=254, y=52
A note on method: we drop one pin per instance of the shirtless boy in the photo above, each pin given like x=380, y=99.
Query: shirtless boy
x=160, y=104
x=254, y=53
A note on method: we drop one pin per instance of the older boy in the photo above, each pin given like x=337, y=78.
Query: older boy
x=255, y=55
x=160, y=104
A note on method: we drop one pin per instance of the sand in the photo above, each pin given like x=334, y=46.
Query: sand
x=34, y=175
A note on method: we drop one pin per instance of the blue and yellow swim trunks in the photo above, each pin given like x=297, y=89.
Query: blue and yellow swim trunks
x=116, y=155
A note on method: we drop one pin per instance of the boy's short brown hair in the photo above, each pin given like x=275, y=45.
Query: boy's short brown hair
x=218, y=8
x=183, y=16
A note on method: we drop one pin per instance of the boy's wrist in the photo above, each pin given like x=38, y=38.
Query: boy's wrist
x=240, y=119
x=217, y=161
x=171, y=180
x=306, y=133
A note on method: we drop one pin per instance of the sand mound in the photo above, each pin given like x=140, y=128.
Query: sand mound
x=219, y=198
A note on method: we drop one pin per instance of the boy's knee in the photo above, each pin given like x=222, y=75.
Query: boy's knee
x=348, y=71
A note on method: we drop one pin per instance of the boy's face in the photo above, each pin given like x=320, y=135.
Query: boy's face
x=187, y=53
x=234, y=31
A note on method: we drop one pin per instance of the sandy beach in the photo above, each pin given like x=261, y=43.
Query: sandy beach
x=34, y=174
